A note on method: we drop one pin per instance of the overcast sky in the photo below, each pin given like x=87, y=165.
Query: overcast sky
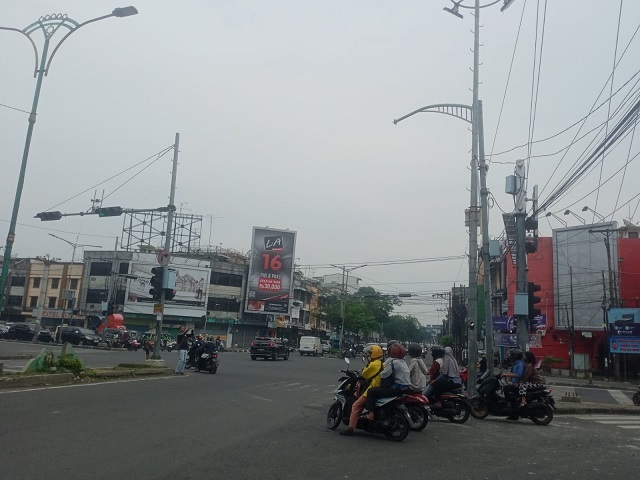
x=285, y=111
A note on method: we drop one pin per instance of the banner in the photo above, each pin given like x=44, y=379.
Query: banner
x=192, y=284
x=509, y=324
x=511, y=340
x=624, y=330
x=270, y=281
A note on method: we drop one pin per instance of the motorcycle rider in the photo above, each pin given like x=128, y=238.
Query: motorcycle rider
x=371, y=373
x=530, y=378
x=395, y=373
x=517, y=371
x=417, y=368
x=437, y=352
x=449, y=378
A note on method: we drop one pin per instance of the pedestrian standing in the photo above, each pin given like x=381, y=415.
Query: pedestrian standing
x=183, y=347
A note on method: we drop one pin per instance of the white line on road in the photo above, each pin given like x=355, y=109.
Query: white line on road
x=630, y=427
x=620, y=397
x=259, y=398
x=608, y=417
x=56, y=387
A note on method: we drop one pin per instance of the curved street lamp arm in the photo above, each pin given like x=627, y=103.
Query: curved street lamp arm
x=482, y=6
x=463, y=112
x=33, y=44
x=46, y=70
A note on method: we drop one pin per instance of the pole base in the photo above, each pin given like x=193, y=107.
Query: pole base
x=153, y=362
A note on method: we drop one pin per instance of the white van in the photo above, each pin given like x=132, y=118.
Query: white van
x=310, y=346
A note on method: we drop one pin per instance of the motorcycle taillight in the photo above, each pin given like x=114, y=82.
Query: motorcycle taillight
x=271, y=344
x=215, y=355
x=252, y=343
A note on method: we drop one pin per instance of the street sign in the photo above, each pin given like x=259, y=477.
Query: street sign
x=158, y=308
x=163, y=258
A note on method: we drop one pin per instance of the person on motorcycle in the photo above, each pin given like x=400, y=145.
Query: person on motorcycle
x=417, y=368
x=437, y=352
x=371, y=374
x=449, y=378
x=395, y=375
x=517, y=371
x=530, y=378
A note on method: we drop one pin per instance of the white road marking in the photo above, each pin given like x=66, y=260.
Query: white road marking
x=55, y=387
x=259, y=398
x=620, y=397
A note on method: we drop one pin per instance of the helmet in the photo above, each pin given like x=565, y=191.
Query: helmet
x=415, y=350
x=437, y=352
x=200, y=337
x=376, y=352
x=397, y=350
x=515, y=354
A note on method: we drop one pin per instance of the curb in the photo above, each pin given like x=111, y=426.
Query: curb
x=138, y=372
x=35, y=380
x=596, y=408
x=628, y=388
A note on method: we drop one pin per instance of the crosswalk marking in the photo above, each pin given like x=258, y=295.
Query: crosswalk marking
x=627, y=422
x=620, y=397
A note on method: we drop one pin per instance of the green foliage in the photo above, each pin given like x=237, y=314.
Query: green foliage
x=446, y=341
x=548, y=362
x=69, y=363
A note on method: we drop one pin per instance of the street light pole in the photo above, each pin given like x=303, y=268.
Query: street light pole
x=345, y=284
x=73, y=256
x=49, y=25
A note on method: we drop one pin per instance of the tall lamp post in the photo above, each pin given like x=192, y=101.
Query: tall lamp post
x=73, y=257
x=473, y=114
x=48, y=25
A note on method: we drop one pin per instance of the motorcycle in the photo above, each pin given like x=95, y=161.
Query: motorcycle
x=208, y=358
x=419, y=411
x=349, y=352
x=455, y=406
x=193, y=354
x=539, y=407
x=636, y=398
x=391, y=415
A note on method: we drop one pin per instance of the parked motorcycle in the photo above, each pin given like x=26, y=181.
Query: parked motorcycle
x=391, y=415
x=455, y=406
x=539, y=407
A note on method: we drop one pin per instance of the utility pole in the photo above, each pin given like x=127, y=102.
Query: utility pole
x=103, y=336
x=521, y=297
x=572, y=331
x=167, y=246
x=343, y=293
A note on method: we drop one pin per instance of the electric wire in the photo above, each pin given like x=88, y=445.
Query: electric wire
x=14, y=108
x=613, y=72
x=624, y=173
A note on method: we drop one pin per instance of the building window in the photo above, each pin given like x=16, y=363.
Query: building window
x=225, y=279
x=74, y=284
x=52, y=302
x=55, y=283
x=95, y=295
x=18, y=281
x=100, y=269
x=36, y=282
x=124, y=268
x=633, y=234
x=223, y=304
x=14, y=301
x=33, y=302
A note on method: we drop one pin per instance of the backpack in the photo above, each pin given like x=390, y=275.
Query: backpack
x=387, y=382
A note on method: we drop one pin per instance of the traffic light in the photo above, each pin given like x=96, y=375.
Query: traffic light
x=109, y=211
x=532, y=288
x=169, y=293
x=156, y=282
x=49, y=216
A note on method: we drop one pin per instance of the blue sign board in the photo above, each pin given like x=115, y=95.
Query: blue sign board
x=624, y=330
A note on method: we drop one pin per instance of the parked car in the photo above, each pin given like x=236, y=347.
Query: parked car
x=78, y=336
x=3, y=330
x=267, y=347
x=310, y=346
x=326, y=348
x=21, y=331
x=45, y=336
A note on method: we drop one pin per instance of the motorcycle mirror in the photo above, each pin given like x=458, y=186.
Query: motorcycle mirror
x=347, y=361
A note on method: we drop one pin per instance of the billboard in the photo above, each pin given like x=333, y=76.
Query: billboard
x=270, y=281
x=624, y=330
x=192, y=282
x=509, y=324
x=580, y=258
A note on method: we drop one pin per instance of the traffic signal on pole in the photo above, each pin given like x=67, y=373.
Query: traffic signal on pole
x=532, y=288
x=156, y=282
x=49, y=216
x=109, y=211
x=169, y=293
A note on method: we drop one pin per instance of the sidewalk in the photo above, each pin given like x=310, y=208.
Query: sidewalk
x=593, y=383
x=588, y=408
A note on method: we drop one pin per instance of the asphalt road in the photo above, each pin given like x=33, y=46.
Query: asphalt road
x=266, y=420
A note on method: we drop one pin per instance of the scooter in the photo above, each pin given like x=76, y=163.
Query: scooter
x=208, y=358
x=455, y=406
x=391, y=415
x=539, y=407
x=418, y=408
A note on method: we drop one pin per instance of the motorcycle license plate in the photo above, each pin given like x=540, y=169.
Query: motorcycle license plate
x=204, y=355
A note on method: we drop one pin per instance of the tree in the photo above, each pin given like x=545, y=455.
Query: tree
x=446, y=341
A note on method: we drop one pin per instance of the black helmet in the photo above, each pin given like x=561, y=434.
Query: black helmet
x=415, y=350
x=516, y=354
x=391, y=343
x=437, y=352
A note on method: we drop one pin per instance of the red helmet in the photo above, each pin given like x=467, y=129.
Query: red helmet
x=397, y=350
